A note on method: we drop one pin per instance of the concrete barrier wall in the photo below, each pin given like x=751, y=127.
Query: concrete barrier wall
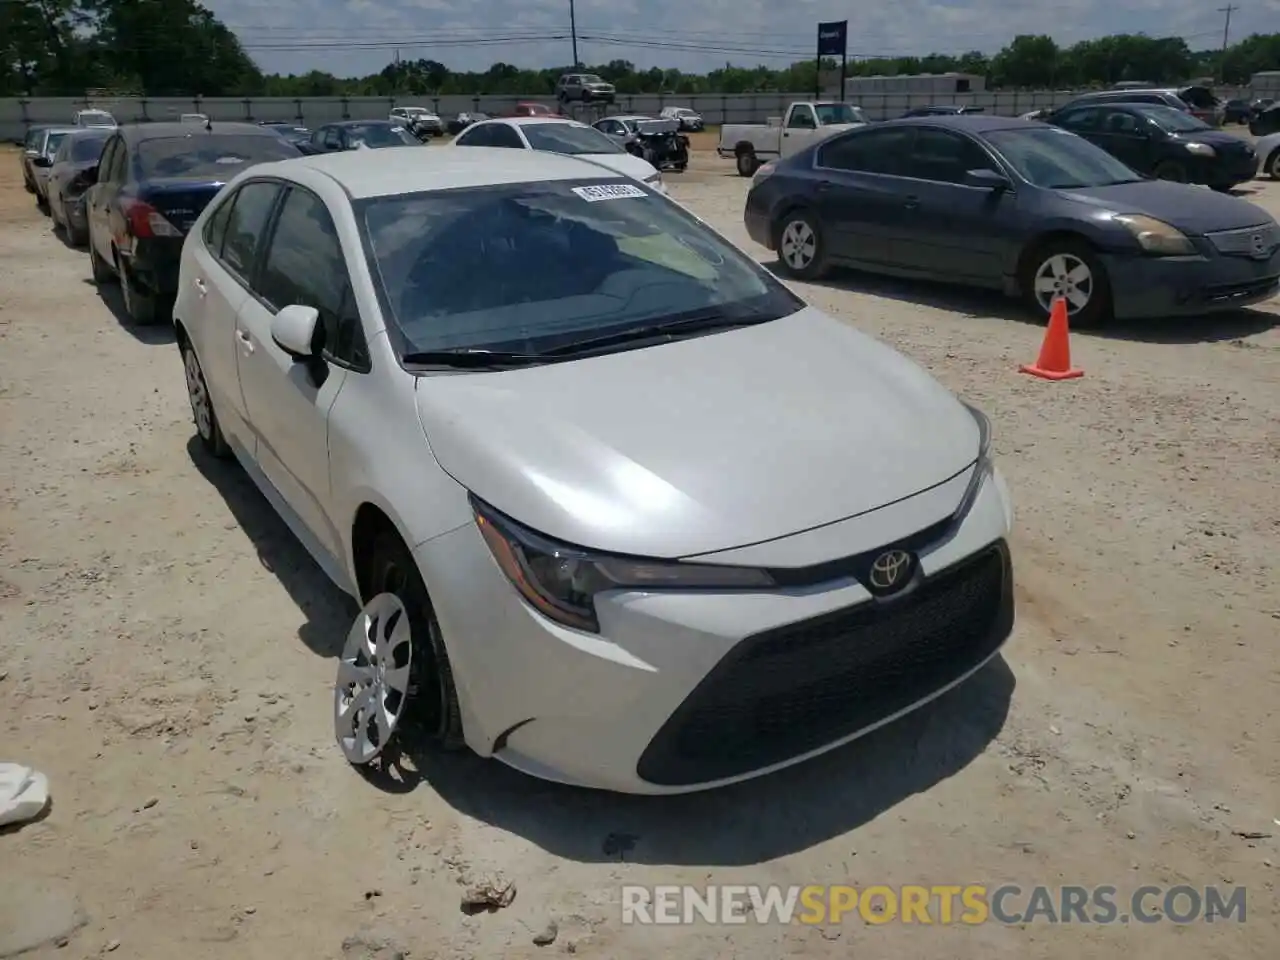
x=16, y=115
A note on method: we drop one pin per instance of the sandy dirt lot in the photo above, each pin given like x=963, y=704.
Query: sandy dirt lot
x=166, y=656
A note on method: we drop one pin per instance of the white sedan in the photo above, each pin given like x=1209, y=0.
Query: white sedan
x=652, y=524
x=560, y=135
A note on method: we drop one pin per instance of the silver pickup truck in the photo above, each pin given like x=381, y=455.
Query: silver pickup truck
x=752, y=144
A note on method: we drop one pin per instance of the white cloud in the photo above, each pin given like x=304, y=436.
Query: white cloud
x=353, y=37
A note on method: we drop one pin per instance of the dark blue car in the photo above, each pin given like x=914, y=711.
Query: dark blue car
x=1018, y=206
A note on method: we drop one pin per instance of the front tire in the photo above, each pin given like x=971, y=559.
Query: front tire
x=433, y=699
x=1272, y=165
x=1172, y=171
x=206, y=421
x=1069, y=269
x=802, y=251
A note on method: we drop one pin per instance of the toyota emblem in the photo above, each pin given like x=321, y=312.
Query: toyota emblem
x=890, y=571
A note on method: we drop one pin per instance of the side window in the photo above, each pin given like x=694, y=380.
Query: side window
x=304, y=265
x=502, y=135
x=802, y=119
x=944, y=157
x=64, y=150
x=317, y=138
x=119, y=163
x=475, y=137
x=1082, y=120
x=881, y=151
x=249, y=216
x=107, y=158
x=333, y=138
x=215, y=228
x=1117, y=121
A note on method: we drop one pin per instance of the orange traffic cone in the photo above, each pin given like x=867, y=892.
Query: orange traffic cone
x=1055, y=352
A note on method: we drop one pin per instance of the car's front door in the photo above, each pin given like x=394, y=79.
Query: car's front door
x=860, y=195
x=801, y=129
x=288, y=401
x=951, y=229
x=220, y=272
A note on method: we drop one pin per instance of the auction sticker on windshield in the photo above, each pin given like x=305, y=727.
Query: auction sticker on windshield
x=608, y=191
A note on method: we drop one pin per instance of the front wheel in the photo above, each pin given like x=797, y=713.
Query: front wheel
x=1272, y=165
x=801, y=250
x=1172, y=171
x=1071, y=270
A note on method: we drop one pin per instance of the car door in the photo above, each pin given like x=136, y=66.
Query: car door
x=102, y=197
x=951, y=229
x=1127, y=136
x=219, y=271
x=288, y=402
x=800, y=129
x=860, y=195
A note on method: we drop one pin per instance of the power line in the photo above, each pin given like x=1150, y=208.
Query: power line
x=1226, y=33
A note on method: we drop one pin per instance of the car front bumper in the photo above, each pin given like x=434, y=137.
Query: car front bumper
x=1145, y=287
x=685, y=691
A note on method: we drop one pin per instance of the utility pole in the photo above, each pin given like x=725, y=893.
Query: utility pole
x=1226, y=35
x=573, y=32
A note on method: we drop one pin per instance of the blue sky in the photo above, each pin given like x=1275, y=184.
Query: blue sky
x=356, y=37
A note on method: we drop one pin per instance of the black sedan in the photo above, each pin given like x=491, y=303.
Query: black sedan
x=1267, y=121
x=70, y=179
x=359, y=134
x=1013, y=205
x=152, y=182
x=1166, y=143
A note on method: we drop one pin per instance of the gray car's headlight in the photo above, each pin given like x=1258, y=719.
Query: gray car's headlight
x=1155, y=236
x=561, y=581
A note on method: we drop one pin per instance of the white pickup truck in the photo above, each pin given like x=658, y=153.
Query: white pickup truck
x=752, y=144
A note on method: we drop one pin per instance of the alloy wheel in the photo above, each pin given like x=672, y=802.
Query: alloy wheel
x=799, y=245
x=1064, y=275
x=372, y=689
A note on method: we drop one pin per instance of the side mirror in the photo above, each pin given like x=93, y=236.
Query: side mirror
x=41, y=161
x=986, y=180
x=294, y=331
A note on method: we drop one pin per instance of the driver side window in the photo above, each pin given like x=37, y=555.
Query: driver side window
x=802, y=119
x=501, y=135
x=1081, y=120
x=475, y=137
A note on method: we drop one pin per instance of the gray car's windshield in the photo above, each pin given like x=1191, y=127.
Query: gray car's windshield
x=568, y=138
x=534, y=267
x=1058, y=160
x=1171, y=120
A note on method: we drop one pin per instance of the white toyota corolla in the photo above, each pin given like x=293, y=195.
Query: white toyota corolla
x=657, y=524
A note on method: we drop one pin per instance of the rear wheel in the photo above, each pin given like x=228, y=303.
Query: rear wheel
x=1171, y=170
x=206, y=420
x=801, y=250
x=1071, y=270
x=1272, y=166
x=102, y=272
x=142, y=306
x=747, y=162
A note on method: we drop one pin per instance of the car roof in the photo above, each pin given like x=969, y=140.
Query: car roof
x=393, y=171
x=977, y=123
x=627, y=116
x=63, y=129
x=531, y=121
x=166, y=129
x=360, y=123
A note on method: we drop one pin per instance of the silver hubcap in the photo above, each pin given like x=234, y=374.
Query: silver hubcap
x=1067, y=276
x=799, y=245
x=373, y=679
x=199, y=395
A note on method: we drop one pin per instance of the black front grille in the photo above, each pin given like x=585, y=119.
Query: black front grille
x=788, y=691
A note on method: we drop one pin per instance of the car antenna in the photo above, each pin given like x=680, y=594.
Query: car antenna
x=208, y=124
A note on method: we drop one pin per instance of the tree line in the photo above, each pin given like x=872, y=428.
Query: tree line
x=179, y=48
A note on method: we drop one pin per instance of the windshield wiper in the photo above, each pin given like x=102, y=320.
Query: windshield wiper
x=471, y=358
x=709, y=320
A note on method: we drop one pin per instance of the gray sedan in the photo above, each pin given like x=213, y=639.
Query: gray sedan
x=1016, y=206
x=69, y=180
x=39, y=159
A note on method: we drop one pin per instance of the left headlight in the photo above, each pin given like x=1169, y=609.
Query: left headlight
x=1201, y=149
x=1155, y=236
x=561, y=581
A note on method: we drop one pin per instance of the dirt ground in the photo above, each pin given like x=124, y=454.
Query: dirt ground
x=166, y=657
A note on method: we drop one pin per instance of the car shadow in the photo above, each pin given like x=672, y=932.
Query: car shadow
x=746, y=823
x=154, y=334
x=979, y=303
x=328, y=611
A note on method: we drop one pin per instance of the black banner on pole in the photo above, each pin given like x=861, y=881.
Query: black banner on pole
x=833, y=41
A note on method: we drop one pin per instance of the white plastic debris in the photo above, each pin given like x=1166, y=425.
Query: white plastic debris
x=24, y=793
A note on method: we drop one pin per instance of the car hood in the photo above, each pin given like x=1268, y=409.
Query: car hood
x=1193, y=210
x=624, y=163
x=704, y=444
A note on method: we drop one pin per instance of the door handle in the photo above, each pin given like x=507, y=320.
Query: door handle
x=245, y=340
x=200, y=285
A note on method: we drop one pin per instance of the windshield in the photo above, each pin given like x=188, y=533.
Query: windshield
x=97, y=119
x=87, y=149
x=568, y=138
x=414, y=111
x=1170, y=120
x=1058, y=160
x=379, y=135
x=528, y=267
x=52, y=144
x=219, y=156
x=829, y=113
x=685, y=112
x=591, y=78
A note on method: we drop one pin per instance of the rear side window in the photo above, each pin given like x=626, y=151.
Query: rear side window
x=253, y=206
x=476, y=137
x=215, y=228
x=873, y=151
x=504, y=136
x=221, y=156
x=87, y=149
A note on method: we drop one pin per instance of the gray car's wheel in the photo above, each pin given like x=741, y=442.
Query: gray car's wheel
x=1071, y=270
x=206, y=421
x=1272, y=165
x=802, y=253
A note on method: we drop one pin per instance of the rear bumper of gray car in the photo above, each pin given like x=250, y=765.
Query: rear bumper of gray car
x=1144, y=287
